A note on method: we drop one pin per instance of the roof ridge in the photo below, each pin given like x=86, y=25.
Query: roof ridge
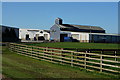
x=82, y=25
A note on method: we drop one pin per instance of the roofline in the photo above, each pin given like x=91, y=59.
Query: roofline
x=30, y=29
x=8, y=26
x=82, y=25
x=93, y=33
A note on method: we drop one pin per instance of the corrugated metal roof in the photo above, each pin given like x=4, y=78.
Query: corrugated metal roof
x=80, y=27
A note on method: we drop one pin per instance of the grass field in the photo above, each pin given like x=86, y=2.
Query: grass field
x=78, y=45
x=21, y=67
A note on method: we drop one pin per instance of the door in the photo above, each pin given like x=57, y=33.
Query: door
x=27, y=37
x=62, y=37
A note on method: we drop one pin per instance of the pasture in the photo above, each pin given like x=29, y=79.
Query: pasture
x=77, y=45
x=16, y=66
x=82, y=47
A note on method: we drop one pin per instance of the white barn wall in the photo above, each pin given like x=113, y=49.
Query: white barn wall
x=83, y=37
x=55, y=33
x=32, y=34
x=75, y=37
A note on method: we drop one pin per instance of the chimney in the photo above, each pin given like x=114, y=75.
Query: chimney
x=58, y=21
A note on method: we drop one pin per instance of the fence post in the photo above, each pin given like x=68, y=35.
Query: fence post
x=51, y=54
x=44, y=49
x=20, y=52
x=72, y=59
x=13, y=47
x=26, y=51
x=10, y=47
x=101, y=51
x=31, y=52
x=61, y=55
x=101, y=63
x=115, y=55
x=85, y=61
x=17, y=48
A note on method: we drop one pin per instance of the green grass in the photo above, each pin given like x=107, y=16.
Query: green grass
x=21, y=67
x=78, y=45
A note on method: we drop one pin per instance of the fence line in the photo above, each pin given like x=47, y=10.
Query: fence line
x=89, y=61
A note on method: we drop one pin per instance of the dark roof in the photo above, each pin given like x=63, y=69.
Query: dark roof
x=8, y=26
x=81, y=27
x=47, y=31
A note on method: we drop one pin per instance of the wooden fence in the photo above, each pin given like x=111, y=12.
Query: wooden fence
x=90, y=61
x=115, y=52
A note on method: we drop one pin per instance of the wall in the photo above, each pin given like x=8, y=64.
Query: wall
x=88, y=37
x=33, y=33
x=82, y=37
x=55, y=32
x=10, y=34
x=105, y=38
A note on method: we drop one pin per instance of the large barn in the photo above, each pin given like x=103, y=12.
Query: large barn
x=61, y=32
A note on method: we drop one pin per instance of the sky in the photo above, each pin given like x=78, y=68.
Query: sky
x=60, y=0
x=41, y=15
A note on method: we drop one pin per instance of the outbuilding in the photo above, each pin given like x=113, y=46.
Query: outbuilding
x=33, y=34
x=9, y=34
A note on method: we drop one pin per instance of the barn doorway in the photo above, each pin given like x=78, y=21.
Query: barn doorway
x=27, y=37
x=41, y=38
x=62, y=37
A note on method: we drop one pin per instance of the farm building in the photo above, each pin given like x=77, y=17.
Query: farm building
x=33, y=34
x=68, y=32
x=9, y=34
x=12, y=34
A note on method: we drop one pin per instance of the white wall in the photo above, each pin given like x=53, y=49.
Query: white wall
x=32, y=33
x=77, y=35
x=82, y=36
x=55, y=32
